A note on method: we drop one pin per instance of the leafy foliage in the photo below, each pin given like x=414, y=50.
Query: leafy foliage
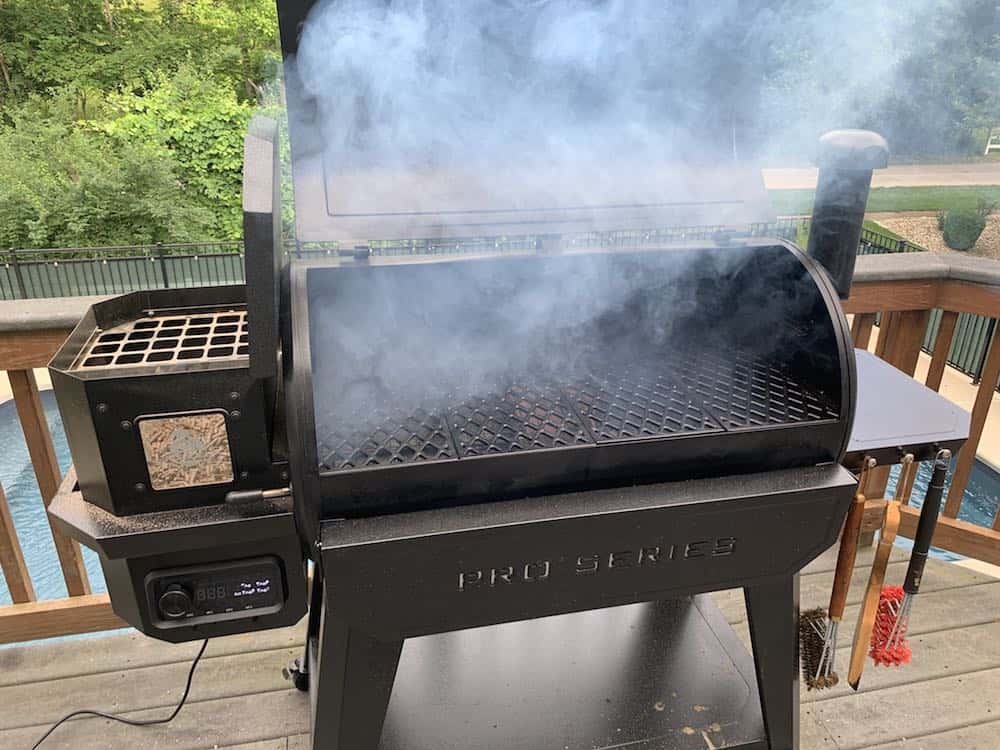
x=121, y=121
x=962, y=229
x=67, y=188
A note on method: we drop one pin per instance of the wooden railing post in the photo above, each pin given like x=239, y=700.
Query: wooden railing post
x=861, y=329
x=980, y=410
x=884, y=333
x=43, y=459
x=942, y=346
x=15, y=572
x=906, y=336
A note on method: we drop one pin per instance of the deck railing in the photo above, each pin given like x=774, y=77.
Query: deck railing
x=80, y=271
x=903, y=289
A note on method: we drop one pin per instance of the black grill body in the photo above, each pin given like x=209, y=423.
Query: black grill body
x=447, y=381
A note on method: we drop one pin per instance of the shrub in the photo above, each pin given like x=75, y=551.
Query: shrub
x=984, y=207
x=962, y=228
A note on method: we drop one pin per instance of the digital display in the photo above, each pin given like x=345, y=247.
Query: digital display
x=243, y=588
x=210, y=592
x=221, y=590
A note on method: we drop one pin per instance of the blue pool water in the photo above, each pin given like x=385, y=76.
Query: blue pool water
x=979, y=505
x=25, y=502
x=982, y=498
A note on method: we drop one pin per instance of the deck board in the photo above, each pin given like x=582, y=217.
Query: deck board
x=979, y=737
x=947, y=698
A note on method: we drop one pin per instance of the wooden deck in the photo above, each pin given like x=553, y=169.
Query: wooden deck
x=948, y=698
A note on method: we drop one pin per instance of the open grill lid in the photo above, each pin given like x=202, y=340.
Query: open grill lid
x=617, y=174
x=361, y=206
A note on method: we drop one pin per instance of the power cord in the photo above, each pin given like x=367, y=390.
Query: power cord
x=122, y=719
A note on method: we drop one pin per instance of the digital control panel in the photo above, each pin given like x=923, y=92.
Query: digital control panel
x=216, y=592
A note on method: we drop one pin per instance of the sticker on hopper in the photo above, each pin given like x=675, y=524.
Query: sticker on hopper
x=190, y=450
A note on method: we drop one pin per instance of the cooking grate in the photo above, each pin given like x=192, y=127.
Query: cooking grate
x=395, y=439
x=636, y=403
x=696, y=394
x=163, y=338
x=742, y=392
x=517, y=419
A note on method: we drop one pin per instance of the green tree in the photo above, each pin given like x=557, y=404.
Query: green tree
x=202, y=123
x=67, y=187
x=145, y=99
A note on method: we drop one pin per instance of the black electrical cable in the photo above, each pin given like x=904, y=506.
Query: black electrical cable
x=131, y=722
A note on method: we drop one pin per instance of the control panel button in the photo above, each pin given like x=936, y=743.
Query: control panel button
x=175, y=602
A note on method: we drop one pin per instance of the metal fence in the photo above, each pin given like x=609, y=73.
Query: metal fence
x=874, y=242
x=970, y=345
x=69, y=272
x=76, y=271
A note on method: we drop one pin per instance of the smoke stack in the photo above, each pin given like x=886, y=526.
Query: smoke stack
x=846, y=159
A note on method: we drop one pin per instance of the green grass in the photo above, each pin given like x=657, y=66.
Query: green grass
x=789, y=202
x=876, y=227
x=802, y=237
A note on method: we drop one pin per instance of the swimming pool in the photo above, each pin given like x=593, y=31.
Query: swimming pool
x=979, y=504
x=982, y=498
x=26, y=504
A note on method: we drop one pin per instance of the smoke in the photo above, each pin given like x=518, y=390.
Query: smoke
x=486, y=87
x=419, y=83
x=476, y=335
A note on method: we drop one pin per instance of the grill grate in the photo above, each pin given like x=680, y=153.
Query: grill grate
x=745, y=393
x=695, y=394
x=635, y=404
x=517, y=419
x=161, y=338
x=396, y=439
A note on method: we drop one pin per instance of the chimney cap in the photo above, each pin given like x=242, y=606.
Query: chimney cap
x=852, y=149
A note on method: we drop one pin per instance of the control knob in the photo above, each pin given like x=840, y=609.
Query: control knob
x=175, y=602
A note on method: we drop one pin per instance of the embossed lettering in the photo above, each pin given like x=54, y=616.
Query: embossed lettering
x=501, y=574
x=624, y=559
x=695, y=549
x=537, y=571
x=650, y=555
x=724, y=546
x=588, y=564
x=469, y=578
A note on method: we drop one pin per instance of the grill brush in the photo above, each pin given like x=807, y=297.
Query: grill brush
x=818, y=628
x=869, y=607
x=888, y=645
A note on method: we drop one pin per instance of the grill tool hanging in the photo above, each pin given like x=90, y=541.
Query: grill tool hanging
x=818, y=628
x=866, y=619
x=888, y=644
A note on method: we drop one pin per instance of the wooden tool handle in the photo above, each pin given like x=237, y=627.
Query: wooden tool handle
x=846, y=557
x=869, y=607
x=890, y=527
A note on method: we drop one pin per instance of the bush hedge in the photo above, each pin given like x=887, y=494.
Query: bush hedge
x=962, y=229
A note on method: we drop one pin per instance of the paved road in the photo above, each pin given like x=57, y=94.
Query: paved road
x=915, y=175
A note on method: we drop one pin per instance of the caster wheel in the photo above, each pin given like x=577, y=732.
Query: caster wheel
x=298, y=678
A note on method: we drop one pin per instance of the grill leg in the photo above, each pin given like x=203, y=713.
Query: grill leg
x=351, y=676
x=315, y=612
x=298, y=670
x=773, y=612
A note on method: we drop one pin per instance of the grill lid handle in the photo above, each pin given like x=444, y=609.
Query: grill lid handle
x=846, y=159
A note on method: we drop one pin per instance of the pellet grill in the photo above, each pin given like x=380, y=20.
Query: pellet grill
x=513, y=459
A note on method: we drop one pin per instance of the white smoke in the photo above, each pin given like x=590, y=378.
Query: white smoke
x=423, y=82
